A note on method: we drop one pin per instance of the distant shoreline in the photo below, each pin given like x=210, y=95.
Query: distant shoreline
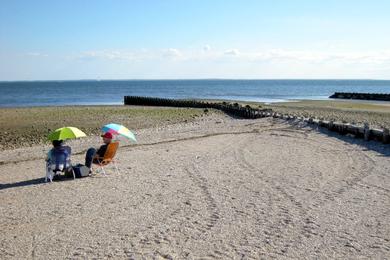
x=64, y=105
x=200, y=79
x=259, y=101
x=83, y=104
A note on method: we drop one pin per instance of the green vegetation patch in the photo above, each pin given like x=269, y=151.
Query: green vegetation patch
x=29, y=126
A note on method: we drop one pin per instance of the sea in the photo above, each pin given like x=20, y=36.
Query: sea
x=112, y=92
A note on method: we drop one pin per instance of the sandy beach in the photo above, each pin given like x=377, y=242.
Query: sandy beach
x=231, y=130
x=207, y=187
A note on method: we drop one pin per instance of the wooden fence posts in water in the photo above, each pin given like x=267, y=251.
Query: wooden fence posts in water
x=252, y=113
x=386, y=136
x=366, y=132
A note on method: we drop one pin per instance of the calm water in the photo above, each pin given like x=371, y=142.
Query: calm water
x=44, y=93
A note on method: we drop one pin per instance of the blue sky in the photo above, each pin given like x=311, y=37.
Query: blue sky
x=52, y=40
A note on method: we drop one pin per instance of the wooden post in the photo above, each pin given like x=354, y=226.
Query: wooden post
x=366, y=131
x=330, y=125
x=386, y=136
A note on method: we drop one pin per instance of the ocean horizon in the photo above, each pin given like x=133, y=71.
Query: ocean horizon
x=111, y=92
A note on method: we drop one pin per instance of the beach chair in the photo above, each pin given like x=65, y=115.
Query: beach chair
x=108, y=158
x=59, y=162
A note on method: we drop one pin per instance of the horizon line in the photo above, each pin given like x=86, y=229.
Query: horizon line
x=200, y=79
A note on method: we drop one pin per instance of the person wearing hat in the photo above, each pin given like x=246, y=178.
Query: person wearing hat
x=93, y=154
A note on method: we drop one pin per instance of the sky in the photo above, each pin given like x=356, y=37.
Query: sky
x=194, y=39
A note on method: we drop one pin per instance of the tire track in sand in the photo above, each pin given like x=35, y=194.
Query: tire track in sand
x=191, y=222
x=277, y=232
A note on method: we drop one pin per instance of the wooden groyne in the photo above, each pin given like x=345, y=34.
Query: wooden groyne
x=361, y=96
x=238, y=110
x=381, y=135
x=234, y=109
x=365, y=131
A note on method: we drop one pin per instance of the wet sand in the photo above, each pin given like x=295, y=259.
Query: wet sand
x=210, y=188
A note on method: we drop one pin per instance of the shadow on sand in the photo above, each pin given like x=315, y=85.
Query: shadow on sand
x=382, y=149
x=37, y=181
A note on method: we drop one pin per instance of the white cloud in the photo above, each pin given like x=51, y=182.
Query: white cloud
x=195, y=62
x=37, y=54
x=233, y=52
x=172, y=53
x=271, y=55
x=206, y=48
x=107, y=54
x=318, y=57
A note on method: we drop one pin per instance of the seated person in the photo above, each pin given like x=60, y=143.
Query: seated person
x=93, y=155
x=58, y=158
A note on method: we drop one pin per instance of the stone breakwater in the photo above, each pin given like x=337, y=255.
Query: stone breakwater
x=361, y=96
x=248, y=112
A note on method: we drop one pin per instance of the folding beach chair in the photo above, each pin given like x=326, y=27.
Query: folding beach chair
x=59, y=162
x=108, y=158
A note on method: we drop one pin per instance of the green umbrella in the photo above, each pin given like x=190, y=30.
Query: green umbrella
x=66, y=133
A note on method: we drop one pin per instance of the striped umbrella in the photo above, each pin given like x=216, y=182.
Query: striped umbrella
x=119, y=130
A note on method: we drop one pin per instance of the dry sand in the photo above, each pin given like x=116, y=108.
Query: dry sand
x=212, y=188
x=357, y=112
